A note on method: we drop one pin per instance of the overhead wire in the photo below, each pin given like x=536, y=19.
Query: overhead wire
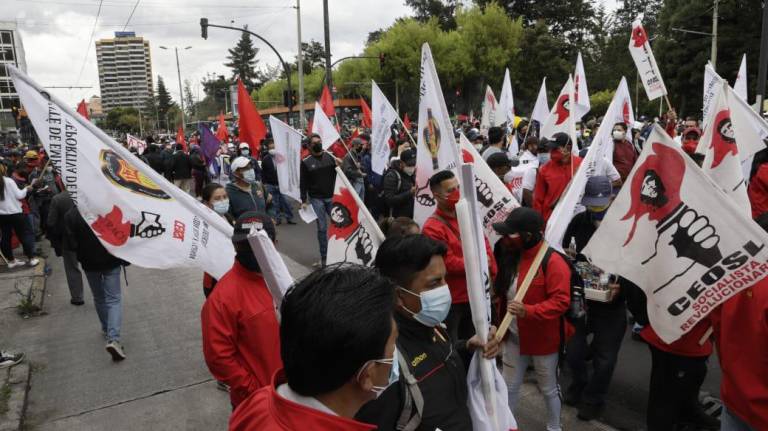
x=90, y=40
x=131, y=15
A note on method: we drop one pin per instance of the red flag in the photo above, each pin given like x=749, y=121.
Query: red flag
x=367, y=119
x=354, y=135
x=180, y=138
x=221, y=132
x=326, y=102
x=407, y=123
x=252, y=127
x=82, y=109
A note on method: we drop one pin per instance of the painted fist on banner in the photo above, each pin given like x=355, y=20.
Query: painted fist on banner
x=364, y=246
x=484, y=193
x=148, y=227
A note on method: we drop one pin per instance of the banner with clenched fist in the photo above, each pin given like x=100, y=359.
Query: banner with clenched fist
x=136, y=213
x=675, y=233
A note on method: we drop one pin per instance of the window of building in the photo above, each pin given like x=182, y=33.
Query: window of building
x=6, y=37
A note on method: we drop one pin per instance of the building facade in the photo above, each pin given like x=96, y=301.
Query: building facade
x=11, y=52
x=125, y=71
x=94, y=107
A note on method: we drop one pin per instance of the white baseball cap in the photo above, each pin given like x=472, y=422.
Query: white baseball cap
x=244, y=145
x=239, y=162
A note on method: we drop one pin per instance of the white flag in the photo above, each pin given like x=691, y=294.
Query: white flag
x=494, y=199
x=645, y=62
x=559, y=118
x=676, y=235
x=540, y=109
x=437, y=148
x=273, y=269
x=135, y=212
x=570, y=203
x=287, y=157
x=580, y=85
x=323, y=127
x=383, y=116
x=712, y=82
x=623, y=113
x=740, y=86
x=134, y=142
x=505, y=112
x=488, y=116
x=353, y=235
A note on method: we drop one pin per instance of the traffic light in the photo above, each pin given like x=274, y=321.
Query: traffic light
x=204, y=28
x=382, y=57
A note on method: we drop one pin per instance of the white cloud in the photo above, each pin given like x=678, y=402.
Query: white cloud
x=56, y=33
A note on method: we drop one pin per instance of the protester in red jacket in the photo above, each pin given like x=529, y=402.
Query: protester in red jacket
x=624, y=152
x=241, y=340
x=444, y=227
x=741, y=334
x=540, y=328
x=553, y=178
x=337, y=338
x=758, y=191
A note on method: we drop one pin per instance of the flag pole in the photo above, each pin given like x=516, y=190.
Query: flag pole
x=413, y=141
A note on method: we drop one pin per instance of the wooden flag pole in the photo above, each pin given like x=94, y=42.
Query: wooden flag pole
x=504, y=326
x=413, y=141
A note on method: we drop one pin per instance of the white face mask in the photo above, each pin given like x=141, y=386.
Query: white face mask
x=272, y=152
x=619, y=135
x=221, y=207
x=409, y=170
x=478, y=147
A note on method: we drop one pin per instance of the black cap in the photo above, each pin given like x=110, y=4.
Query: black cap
x=250, y=219
x=521, y=219
x=559, y=140
x=597, y=192
x=496, y=160
x=408, y=157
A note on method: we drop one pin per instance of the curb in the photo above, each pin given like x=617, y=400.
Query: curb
x=17, y=380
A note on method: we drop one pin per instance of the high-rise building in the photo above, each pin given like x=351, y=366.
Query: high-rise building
x=11, y=52
x=125, y=71
x=95, y=109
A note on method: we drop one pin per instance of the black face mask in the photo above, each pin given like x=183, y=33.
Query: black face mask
x=248, y=260
x=531, y=240
x=317, y=147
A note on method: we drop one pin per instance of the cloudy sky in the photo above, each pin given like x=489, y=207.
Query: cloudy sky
x=57, y=33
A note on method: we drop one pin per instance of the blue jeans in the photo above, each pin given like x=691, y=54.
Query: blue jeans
x=607, y=327
x=279, y=204
x=545, y=367
x=105, y=286
x=322, y=208
x=730, y=422
x=359, y=186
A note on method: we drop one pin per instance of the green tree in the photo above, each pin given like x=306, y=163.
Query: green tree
x=122, y=120
x=442, y=10
x=164, y=101
x=216, y=88
x=242, y=61
x=563, y=18
x=189, y=99
x=313, y=54
x=541, y=55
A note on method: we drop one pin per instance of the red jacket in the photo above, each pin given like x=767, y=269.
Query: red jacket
x=241, y=336
x=758, y=191
x=456, y=276
x=687, y=345
x=546, y=301
x=741, y=334
x=266, y=410
x=551, y=181
x=624, y=158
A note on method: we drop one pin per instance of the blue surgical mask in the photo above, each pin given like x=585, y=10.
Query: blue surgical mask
x=221, y=207
x=394, y=372
x=543, y=158
x=435, y=305
x=249, y=176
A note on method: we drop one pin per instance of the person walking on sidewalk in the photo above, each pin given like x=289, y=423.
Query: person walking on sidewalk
x=317, y=181
x=12, y=219
x=102, y=270
x=60, y=206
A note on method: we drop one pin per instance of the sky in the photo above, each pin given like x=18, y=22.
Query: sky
x=59, y=35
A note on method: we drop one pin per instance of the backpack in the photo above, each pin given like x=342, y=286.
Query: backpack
x=576, y=312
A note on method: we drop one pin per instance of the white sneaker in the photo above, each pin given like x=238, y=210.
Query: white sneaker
x=14, y=263
x=33, y=262
x=116, y=350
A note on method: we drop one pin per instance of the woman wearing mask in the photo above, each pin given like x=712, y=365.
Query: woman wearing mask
x=215, y=198
x=12, y=220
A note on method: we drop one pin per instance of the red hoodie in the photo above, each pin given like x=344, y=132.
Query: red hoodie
x=241, y=336
x=741, y=334
x=758, y=191
x=551, y=181
x=266, y=410
x=448, y=234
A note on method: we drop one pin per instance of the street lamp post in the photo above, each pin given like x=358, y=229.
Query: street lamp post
x=181, y=92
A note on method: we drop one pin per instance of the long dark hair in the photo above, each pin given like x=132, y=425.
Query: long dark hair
x=3, y=172
x=506, y=261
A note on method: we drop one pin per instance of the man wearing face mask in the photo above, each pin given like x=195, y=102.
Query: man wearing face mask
x=241, y=341
x=352, y=168
x=539, y=330
x=337, y=343
x=245, y=194
x=399, y=185
x=428, y=354
x=624, y=153
x=316, y=182
x=496, y=142
x=606, y=321
x=552, y=178
x=443, y=226
x=280, y=207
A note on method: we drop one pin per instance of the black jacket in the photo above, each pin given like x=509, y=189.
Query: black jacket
x=318, y=177
x=56, y=232
x=156, y=161
x=438, y=364
x=241, y=201
x=90, y=253
x=269, y=171
x=180, y=166
x=396, y=192
x=197, y=162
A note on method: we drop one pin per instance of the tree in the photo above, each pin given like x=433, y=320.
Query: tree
x=313, y=54
x=216, y=88
x=122, y=120
x=242, y=61
x=189, y=99
x=442, y=10
x=164, y=101
x=543, y=55
x=564, y=18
